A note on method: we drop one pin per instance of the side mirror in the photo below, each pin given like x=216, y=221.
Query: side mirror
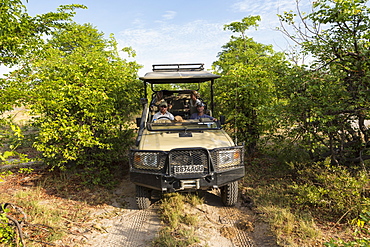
x=138, y=121
x=222, y=120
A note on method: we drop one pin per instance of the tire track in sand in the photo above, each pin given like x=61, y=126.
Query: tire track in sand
x=134, y=229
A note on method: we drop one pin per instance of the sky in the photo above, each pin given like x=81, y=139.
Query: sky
x=176, y=31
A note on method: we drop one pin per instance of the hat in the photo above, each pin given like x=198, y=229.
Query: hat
x=163, y=103
x=195, y=93
x=200, y=104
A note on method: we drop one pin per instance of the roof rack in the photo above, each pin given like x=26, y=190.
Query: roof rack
x=179, y=67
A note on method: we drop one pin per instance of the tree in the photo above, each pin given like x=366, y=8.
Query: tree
x=21, y=33
x=335, y=90
x=21, y=37
x=247, y=86
x=85, y=95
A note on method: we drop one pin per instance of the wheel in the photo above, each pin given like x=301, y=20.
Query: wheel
x=229, y=193
x=163, y=117
x=142, y=197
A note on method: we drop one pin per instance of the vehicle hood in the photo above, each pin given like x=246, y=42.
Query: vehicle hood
x=165, y=141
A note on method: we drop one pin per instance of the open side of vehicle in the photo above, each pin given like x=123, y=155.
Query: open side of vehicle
x=183, y=154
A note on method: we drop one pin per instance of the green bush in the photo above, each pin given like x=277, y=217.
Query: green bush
x=7, y=234
x=85, y=97
x=11, y=138
x=332, y=191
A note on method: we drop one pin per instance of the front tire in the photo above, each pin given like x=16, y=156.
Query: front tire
x=142, y=197
x=229, y=193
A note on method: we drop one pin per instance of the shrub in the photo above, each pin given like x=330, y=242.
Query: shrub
x=85, y=96
x=332, y=191
x=7, y=234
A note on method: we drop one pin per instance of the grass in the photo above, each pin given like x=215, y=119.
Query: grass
x=293, y=211
x=179, y=223
x=56, y=204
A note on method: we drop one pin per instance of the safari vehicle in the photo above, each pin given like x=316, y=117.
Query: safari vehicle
x=183, y=154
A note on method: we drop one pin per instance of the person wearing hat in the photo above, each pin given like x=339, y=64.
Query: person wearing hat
x=163, y=113
x=194, y=101
x=200, y=113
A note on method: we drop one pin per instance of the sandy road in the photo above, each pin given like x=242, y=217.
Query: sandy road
x=136, y=228
x=218, y=226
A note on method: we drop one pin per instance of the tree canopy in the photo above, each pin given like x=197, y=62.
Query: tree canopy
x=247, y=86
x=21, y=33
x=85, y=93
x=82, y=93
x=333, y=93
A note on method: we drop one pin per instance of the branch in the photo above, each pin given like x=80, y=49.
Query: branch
x=19, y=229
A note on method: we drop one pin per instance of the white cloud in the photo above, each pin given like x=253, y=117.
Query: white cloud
x=201, y=41
x=169, y=15
x=266, y=7
x=138, y=22
x=193, y=42
x=268, y=10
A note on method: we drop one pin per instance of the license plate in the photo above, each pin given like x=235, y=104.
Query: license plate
x=188, y=169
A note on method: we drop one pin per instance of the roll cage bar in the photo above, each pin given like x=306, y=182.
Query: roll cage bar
x=178, y=73
x=179, y=67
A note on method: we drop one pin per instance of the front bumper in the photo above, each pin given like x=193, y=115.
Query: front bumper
x=186, y=182
x=214, y=173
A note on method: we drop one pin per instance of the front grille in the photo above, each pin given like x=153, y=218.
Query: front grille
x=185, y=161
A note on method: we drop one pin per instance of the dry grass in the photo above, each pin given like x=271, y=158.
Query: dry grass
x=57, y=205
x=180, y=223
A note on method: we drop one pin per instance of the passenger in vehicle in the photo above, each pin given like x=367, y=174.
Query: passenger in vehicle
x=194, y=95
x=163, y=113
x=159, y=96
x=194, y=101
x=200, y=113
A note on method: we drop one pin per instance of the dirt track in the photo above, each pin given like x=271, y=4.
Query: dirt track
x=219, y=226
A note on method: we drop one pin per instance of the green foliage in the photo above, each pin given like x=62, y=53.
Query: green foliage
x=246, y=90
x=327, y=104
x=244, y=25
x=7, y=234
x=21, y=38
x=309, y=115
x=331, y=191
x=21, y=33
x=4, y=174
x=25, y=170
x=361, y=235
x=85, y=96
x=11, y=137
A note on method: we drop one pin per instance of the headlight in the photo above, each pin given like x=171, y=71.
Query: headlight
x=228, y=158
x=145, y=160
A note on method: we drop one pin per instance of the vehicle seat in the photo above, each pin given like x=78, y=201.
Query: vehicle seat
x=178, y=108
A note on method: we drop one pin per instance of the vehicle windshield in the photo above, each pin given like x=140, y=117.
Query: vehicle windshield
x=191, y=124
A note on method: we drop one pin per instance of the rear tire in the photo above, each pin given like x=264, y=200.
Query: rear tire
x=142, y=197
x=229, y=193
